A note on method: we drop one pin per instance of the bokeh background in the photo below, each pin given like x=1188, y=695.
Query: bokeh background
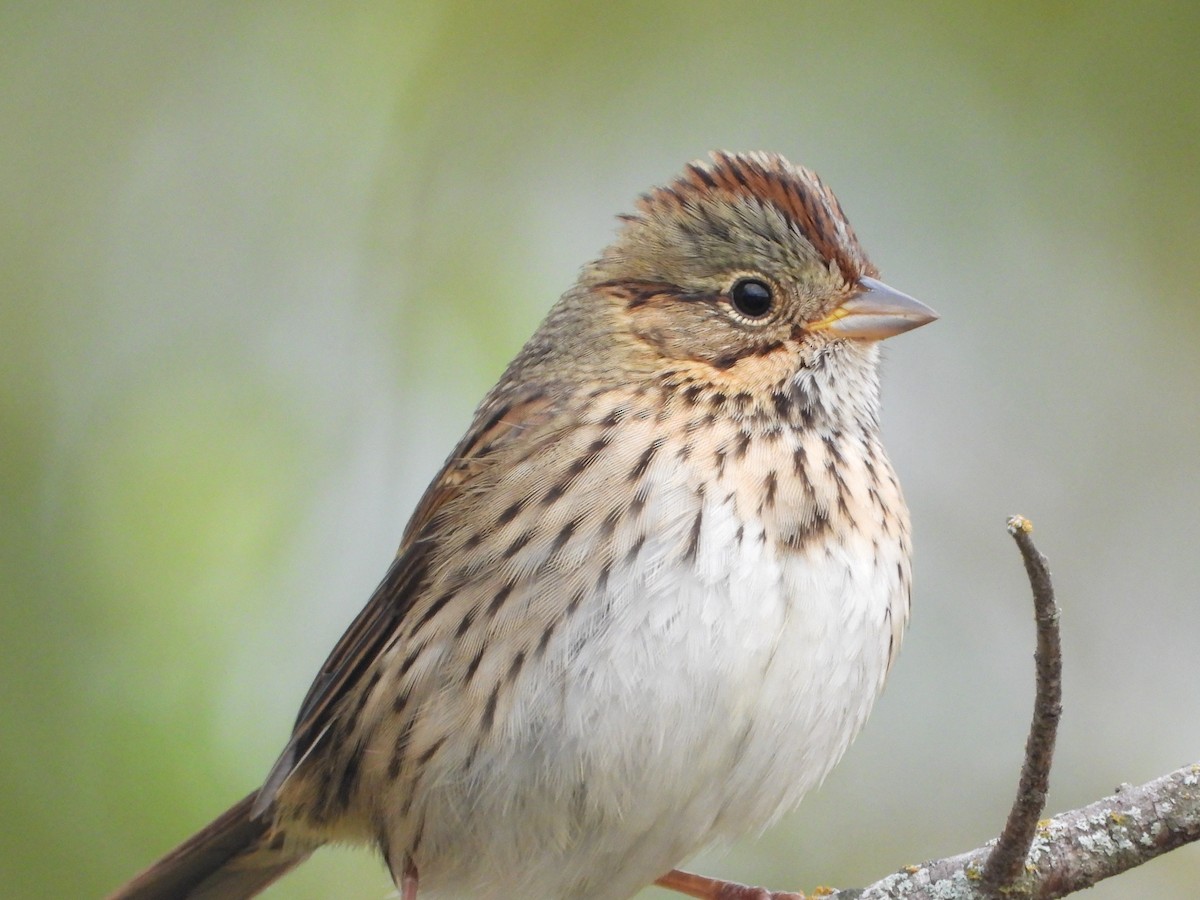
x=258, y=262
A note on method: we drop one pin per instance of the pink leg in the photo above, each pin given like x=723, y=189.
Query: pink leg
x=704, y=888
x=408, y=881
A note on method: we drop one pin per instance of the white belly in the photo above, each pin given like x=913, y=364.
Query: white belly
x=691, y=704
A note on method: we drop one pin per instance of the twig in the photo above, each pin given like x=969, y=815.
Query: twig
x=1007, y=859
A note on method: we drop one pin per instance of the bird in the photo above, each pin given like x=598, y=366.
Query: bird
x=651, y=596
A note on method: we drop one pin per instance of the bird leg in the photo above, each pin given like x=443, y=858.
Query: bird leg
x=705, y=888
x=408, y=881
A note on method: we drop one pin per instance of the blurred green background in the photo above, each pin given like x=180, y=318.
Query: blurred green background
x=260, y=260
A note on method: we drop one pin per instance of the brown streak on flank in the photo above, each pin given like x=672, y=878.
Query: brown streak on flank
x=413, y=654
x=473, y=665
x=635, y=549
x=544, y=641
x=489, y=711
x=604, y=440
x=842, y=490
x=772, y=484
x=636, y=505
x=837, y=461
x=582, y=462
x=554, y=494
x=743, y=444
x=511, y=512
x=499, y=598
x=464, y=624
x=643, y=463
x=693, y=544
x=563, y=536
x=577, y=599
x=515, y=669
x=597, y=392
x=609, y=525
x=719, y=460
x=807, y=416
x=515, y=547
x=430, y=752
x=433, y=610
x=783, y=404
x=601, y=584
x=800, y=462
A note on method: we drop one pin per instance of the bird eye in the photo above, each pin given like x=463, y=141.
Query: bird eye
x=752, y=298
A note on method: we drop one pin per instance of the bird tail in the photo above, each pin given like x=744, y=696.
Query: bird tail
x=234, y=857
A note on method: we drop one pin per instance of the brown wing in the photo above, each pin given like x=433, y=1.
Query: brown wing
x=378, y=625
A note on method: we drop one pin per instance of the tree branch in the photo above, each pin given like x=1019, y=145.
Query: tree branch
x=1070, y=852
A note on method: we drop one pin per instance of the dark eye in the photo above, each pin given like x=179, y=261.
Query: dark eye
x=752, y=298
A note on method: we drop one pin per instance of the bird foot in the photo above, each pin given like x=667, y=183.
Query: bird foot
x=705, y=888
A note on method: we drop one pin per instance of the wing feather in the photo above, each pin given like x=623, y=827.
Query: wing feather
x=379, y=624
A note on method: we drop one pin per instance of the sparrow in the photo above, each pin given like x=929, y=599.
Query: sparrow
x=651, y=596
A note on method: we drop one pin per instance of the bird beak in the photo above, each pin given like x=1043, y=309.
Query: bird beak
x=876, y=312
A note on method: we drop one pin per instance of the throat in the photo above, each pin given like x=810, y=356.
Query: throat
x=839, y=391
